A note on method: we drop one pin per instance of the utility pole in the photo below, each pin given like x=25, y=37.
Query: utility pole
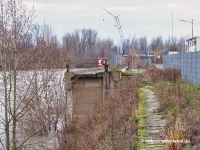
x=172, y=25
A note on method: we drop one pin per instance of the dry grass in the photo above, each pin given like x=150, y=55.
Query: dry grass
x=180, y=103
x=152, y=74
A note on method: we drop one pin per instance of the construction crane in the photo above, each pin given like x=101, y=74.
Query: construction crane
x=124, y=45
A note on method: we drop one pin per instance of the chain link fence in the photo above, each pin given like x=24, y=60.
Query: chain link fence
x=188, y=63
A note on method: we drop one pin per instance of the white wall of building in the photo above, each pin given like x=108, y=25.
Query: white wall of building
x=198, y=44
x=193, y=44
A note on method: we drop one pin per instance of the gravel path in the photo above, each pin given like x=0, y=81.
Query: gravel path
x=155, y=123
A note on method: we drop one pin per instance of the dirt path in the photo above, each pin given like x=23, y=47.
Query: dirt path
x=154, y=123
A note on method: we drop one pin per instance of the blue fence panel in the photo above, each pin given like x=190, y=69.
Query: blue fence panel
x=188, y=63
x=115, y=59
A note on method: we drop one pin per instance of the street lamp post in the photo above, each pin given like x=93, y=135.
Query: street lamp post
x=189, y=22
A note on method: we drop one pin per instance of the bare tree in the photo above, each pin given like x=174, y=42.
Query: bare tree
x=15, y=22
x=71, y=48
x=104, y=47
x=157, y=44
x=32, y=98
x=143, y=44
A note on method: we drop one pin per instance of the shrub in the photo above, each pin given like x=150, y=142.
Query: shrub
x=153, y=74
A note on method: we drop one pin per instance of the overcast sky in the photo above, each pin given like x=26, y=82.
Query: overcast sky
x=148, y=18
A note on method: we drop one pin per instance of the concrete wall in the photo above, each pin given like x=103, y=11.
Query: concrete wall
x=87, y=92
x=87, y=95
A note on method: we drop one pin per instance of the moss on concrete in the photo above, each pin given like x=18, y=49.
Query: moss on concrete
x=142, y=130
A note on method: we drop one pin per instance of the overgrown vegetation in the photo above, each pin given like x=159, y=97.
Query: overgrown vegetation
x=116, y=68
x=142, y=131
x=179, y=102
x=130, y=72
x=154, y=75
x=114, y=126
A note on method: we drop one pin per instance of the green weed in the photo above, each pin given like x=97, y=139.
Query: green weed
x=142, y=131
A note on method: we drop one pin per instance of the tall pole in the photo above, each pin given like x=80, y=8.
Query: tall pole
x=172, y=24
x=192, y=28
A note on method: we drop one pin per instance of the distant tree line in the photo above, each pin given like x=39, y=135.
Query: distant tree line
x=156, y=44
x=159, y=46
x=41, y=48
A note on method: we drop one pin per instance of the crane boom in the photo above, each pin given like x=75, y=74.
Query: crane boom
x=124, y=47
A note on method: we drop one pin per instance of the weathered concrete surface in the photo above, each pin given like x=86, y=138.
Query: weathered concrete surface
x=87, y=91
x=87, y=96
x=155, y=123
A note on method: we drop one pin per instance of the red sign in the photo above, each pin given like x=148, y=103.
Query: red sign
x=102, y=62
